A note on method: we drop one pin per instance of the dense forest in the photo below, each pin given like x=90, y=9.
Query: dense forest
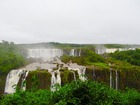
x=75, y=93
x=10, y=57
x=131, y=56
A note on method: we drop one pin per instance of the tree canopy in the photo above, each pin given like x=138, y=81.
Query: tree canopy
x=131, y=56
x=10, y=56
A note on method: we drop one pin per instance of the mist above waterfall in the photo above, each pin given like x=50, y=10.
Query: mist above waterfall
x=100, y=48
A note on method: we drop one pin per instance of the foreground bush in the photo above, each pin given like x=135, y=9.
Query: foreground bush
x=75, y=93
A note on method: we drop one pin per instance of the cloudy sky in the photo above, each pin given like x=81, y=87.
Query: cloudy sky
x=70, y=21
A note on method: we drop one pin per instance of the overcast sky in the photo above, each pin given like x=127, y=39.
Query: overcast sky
x=70, y=21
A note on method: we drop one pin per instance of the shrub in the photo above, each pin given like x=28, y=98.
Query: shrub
x=75, y=93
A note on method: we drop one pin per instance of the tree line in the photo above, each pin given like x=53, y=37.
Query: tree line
x=10, y=57
x=130, y=56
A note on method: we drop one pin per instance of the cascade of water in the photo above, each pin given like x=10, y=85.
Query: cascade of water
x=98, y=51
x=116, y=80
x=45, y=53
x=53, y=81
x=56, y=79
x=111, y=78
x=79, y=53
x=74, y=75
x=11, y=80
x=81, y=73
x=72, y=52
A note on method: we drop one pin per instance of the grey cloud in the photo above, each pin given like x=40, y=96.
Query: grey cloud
x=70, y=21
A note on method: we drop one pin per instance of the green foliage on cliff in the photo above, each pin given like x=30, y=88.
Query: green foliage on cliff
x=10, y=58
x=122, y=65
x=88, y=57
x=67, y=76
x=75, y=93
x=131, y=56
x=38, y=79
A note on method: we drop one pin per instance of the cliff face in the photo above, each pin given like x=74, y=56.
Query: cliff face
x=41, y=79
x=120, y=79
x=129, y=79
x=2, y=81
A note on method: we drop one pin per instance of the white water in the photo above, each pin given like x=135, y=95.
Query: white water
x=56, y=79
x=79, y=53
x=12, y=79
x=111, y=50
x=14, y=75
x=45, y=54
x=111, y=78
x=81, y=73
x=80, y=69
x=49, y=54
x=74, y=75
x=116, y=80
x=72, y=52
x=53, y=81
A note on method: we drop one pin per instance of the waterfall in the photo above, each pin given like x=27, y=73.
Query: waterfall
x=111, y=78
x=116, y=80
x=56, y=79
x=15, y=75
x=46, y=54
x=53, y=81
x=79, y=53
x=11, y=80
x=72, y=52
x=74, y=75
x=81, y=73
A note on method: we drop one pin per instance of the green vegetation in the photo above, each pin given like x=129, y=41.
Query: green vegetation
x=122, y=45
x=131, y=56
x=10, y=57
x=58, y=45
x=115, y=45
x=100, y=64
x=75, y=93
x=88, y=57
x=127, y=63
x=38, y=79
x=67, y=76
